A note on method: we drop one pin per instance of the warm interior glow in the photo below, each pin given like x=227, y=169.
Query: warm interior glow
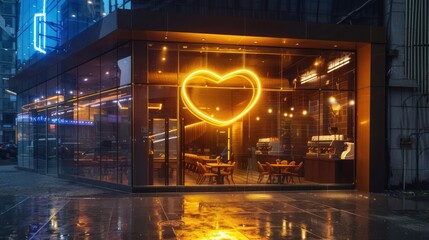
x=155, y=106
x=39, y=103
x=337, y=63
x=210, y=76
x=308, y=76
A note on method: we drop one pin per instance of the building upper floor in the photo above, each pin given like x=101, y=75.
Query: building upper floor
x=47, y=26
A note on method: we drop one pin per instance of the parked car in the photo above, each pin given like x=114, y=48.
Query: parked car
x=8, y=150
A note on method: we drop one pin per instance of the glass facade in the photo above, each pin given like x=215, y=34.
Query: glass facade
x=305, y=111
x=197, y=106
x=148, y=113
x=8, y=27
x=79, y=123
x=46, y=26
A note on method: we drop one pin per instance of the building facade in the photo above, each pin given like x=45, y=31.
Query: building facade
x=407, y=102
x=8, y=27
x=148, y=96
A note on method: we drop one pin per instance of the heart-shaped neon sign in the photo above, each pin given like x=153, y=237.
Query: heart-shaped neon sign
x=206, y=75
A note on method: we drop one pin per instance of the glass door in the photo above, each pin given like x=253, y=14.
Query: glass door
x=164, y=149
x=163, y=126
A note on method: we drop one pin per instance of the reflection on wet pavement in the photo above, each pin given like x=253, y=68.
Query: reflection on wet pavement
x=238, y=215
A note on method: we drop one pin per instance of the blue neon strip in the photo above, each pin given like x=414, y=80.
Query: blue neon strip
x=39, y=33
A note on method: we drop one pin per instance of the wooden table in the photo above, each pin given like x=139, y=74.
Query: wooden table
x=282, y=166
x=219, y=179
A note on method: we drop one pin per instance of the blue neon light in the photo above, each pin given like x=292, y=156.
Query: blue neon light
x=39, y=33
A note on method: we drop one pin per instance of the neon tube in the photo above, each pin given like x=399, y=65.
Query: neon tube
x=39, y=31
x=212, y=77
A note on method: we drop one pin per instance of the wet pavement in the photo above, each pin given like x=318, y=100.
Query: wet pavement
x=34, y=206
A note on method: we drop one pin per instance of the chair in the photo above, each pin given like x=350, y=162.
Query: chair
x=295, y=172
x=203, y=173
x=262, y=172
x=229, y=171
x=284, y=171
x=272, y=173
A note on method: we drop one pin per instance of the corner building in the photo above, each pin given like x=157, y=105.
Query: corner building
x=143, y=100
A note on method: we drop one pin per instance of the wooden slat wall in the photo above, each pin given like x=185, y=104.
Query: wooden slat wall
x=417, y=43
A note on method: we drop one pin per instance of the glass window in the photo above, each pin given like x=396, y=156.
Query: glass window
x=304, y=111
x=124, y=135
x=52, y=99
x=89, y=77
x=68, y=149
x=109, y=70
x=162, y=64
x=109, y=135
x=88, y=130
x=40, y=140
x=124, y=65
x=67, y=85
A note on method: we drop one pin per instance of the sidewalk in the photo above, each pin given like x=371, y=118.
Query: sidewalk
x=33, y=206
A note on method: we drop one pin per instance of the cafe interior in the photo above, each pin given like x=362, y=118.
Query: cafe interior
x=250, y=115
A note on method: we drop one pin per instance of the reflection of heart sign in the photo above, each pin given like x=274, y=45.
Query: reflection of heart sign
x=219, y=80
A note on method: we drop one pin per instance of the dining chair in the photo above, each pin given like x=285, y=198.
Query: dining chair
x=272, y=173
x=287, y=172
x=262, y=172
x=229, y=171
x=284, y=171
x=295, y=172
x=204, y=173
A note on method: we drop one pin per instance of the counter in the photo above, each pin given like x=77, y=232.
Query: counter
x=325, y=170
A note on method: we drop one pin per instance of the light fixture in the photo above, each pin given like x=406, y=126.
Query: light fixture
x=155, y=106
x=308, y=76
x=39, y=31
x=244, y=74
x=337, y=63
x=10, y=92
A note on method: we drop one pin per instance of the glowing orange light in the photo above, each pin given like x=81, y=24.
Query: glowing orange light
x=210, y=76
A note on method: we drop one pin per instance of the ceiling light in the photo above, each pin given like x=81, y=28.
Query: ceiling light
x=337, y=63
x=308, y=76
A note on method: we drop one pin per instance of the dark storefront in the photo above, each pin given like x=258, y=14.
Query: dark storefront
x=150, y=105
